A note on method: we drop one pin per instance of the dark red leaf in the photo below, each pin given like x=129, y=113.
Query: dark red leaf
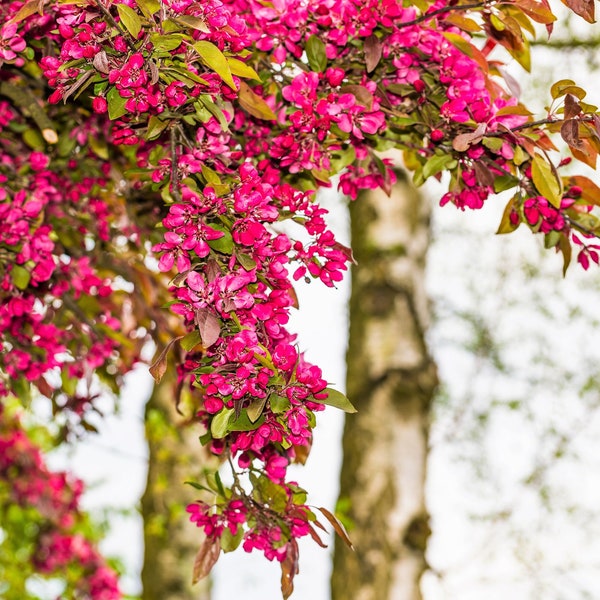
x=483, y=174
x=207, y=556
x=159, y=367
x=208, y=325
x=583, y=8
x=569, y=132
x=361, y=93
x=346, y=251
x=337, y=526
x=373, y=51
x=289, y=569
x=572, y=108
x=315, y=536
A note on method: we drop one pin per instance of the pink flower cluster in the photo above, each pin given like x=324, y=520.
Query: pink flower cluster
x=55, y=497
x=233, y=153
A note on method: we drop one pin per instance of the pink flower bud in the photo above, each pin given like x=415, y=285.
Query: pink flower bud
x=100, y=105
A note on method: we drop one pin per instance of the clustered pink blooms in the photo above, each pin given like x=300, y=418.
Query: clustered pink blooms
x=234, y=153
x=55, y=497
x=41, y=273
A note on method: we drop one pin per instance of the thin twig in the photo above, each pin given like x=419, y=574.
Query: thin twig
x=174, y=178
x=581, y=228
x=126, y=35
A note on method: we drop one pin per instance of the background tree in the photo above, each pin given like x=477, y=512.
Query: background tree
x=391, y=373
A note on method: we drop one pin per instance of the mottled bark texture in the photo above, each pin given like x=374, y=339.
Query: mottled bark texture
x=391, y=380
x=171, y=541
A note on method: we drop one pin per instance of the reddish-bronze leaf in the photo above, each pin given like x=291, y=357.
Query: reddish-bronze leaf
x=337, y=526
x=373, y=51
x=44, y=387
x=572, y=107
x=483, y=174
x=292, y=294
x=289, y=569
x=208, y=325
x=315, y=536
x=538, y=11
x=583, y=8
x=207, y=556
x=301, y=452
x=463, y=141
x=586, y=153
x=596, y=120
x=159, y=367
x=569, y=132
x=361, y=93
x=590, y=191
x=347, y=251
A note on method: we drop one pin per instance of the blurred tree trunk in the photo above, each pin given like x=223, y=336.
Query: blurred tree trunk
x=171, y=541
x=391, y=380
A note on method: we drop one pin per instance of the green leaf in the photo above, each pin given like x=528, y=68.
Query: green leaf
x=28, y=9
x=155, y=127
x=545, y=180
x=166, y=43
x=215, y=60
x=33, y=138
x=340, y=159
x=191, y=340
x=198, y=486
x=435, y=164
x=493, y=143
x=504, y=182
x=116, y=103
x=279, y=403
x=219, y=426
x=565, y=248
x=194, y=23
x=243, y=422
x=223, y=244
x=256, y=408
x=316, y=54
x=337, y=400
x=130, y=20
x=506, y=225
x=148, y=7
x=551, y=239
x=215, y=111
x=246, y=261
x=564, y=87
x=20, y=276
x=230, y=542
x=99, y=146
x=242, y=69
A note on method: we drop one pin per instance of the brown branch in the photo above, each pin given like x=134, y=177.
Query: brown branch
x=174, y=178
x=568, y=44
x=581, y=228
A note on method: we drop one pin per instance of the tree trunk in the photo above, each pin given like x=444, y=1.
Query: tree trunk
x=391, y=380
x=171, y=541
